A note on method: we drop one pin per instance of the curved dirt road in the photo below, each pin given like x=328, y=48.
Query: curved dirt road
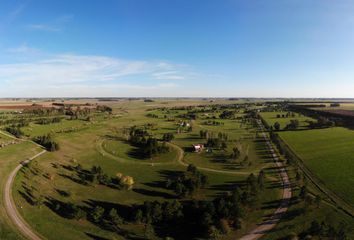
x=11, y=207
x=273, y=220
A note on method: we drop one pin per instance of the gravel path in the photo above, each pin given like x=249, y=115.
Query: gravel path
x=11, y=207
x=263, y=228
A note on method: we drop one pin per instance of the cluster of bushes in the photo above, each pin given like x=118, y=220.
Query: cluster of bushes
x=227, y=114
x=48, y=142
x=124, y=181
x=288, y=114
x=187, y=183
x=205, y=134
x=104, y=108
x=95, y=175
x=294, y=124
x=14, y=130
x=44, y=121
x=189, y=115
x=213, y=123
x=168, y=137
x=152, y=115
x=322, y=122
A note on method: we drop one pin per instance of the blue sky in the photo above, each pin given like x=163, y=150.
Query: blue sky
x=197, y=48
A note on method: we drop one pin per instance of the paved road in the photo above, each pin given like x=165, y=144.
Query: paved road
x=267, y=225
x=11, y=207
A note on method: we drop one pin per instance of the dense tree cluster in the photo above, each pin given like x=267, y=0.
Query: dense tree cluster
x=213, y=123
x=322, y=230
x=104, y=108
x=152, y=115
x=47, y=141
x=286, y=115
x=148, y=145
x=14, y=130
x=322, y=122
x=227, y=114
x=188, y=182
x=206, y=219
x=168, y=137
x=44, y=121
x=293, y=125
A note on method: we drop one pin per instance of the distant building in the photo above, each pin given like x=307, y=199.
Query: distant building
x=198, y=147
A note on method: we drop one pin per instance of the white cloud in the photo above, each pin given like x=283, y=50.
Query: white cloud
x=43, y=27
x=168, y=75
x=75, y=68
x=56, y=25
x=79, y=75
x=83, y=90
x=23, y=49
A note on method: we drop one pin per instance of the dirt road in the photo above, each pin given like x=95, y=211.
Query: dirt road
x=11, y=207
x=267, y=225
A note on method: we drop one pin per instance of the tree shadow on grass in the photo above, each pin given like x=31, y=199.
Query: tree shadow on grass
x=226, y=187
x=27, y=194
x=95, y=237
x=154, y=193
x=72, y=178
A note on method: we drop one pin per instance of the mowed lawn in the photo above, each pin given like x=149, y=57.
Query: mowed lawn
x=329, y=154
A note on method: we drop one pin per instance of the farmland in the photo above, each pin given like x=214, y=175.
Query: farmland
x=56, y=190
x=283, y=119
x=328, y=153
x=52, y=180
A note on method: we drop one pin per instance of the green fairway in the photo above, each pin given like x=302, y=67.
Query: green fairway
x=329, y=154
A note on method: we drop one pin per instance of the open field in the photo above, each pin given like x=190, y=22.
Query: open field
x=52, y=177
x=10, y=157
x=51, y=183
x=271, y=118
x=328, y=153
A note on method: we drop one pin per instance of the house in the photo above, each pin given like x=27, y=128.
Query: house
x=198, y=147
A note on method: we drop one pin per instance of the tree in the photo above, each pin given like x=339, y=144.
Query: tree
x=303, y=192
x=277, y=126
x=149, y=231
x=224, y=226
x=114, y=218
x=261, y=178
x=318, y=200
x=47, y=142
x=213, y=233
x=235, y=153
x=138, y=217
x=97, y=214
x=168, y=137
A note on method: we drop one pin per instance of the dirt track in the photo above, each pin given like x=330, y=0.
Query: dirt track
x=273, y=220
x=11, y=207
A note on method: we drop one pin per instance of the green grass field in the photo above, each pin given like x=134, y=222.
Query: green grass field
x=9, y=161
x=99, y=143
x=329, y=154
x=49, y=175
x=271, y=118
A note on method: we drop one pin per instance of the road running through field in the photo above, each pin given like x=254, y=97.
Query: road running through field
x=263, y=228
x=10, y=206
